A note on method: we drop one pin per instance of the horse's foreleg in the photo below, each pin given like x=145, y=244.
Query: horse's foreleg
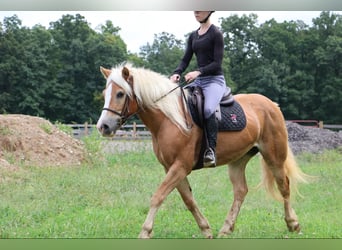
x=172, y=179
x=186, y=194
x=238, y=179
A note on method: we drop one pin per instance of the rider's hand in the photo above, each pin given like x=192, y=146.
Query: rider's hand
x=175, y=78
x=189, y=77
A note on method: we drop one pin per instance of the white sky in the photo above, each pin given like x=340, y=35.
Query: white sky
x=139, y=27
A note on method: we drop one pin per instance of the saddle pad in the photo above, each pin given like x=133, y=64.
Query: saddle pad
x=233, y=117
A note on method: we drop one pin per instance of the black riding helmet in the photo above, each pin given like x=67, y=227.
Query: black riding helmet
x=206, y=19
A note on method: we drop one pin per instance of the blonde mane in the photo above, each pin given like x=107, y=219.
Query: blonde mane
x=149, y=86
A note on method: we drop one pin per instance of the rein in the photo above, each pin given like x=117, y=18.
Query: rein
x=179, y=86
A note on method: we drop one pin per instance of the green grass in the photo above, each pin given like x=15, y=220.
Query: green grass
x=108, y=197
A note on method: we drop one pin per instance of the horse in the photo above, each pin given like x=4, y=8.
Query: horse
x=160, y=105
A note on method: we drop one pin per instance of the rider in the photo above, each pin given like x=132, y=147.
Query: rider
x=207, y=44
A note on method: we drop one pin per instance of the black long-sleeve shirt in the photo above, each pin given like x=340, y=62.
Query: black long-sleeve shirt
x=208, y=49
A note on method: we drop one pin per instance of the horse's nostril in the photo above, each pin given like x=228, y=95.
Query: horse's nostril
x=105, y=128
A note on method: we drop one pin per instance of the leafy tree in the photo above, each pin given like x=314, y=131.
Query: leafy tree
x=23, y=66
x=54, y=72
x=164, y=54
x=327, y=64
x=241, y=50
x=80, y=52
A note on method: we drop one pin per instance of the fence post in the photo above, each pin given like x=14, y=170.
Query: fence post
x=320, y=124
x=86, y=128
x=134, y=129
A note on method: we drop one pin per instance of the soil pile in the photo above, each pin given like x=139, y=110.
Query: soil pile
x=312, y=140
x=33, y=141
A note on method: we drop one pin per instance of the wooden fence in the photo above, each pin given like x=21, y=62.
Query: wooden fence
x=128, y=131
x=317, y=124
x=136, y=131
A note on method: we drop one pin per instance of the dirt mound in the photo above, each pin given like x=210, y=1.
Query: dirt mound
x=312, y=140
x=33, y=141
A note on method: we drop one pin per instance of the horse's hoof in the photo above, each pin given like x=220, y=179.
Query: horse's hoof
x=145, y=235
x=207, y=234
x=225, y=231
x=223, y=234
x=295, y=227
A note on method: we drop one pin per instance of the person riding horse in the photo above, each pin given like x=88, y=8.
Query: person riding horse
x=207, y=44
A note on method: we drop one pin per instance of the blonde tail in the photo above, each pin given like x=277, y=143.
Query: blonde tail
x=292, y=171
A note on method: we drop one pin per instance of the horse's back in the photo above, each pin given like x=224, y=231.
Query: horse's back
x=259, y=105
x=254, y=99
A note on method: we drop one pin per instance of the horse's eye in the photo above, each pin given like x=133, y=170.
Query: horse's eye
x=120, y=95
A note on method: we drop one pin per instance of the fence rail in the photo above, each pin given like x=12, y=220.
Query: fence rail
x=127, y=131
x=136, y=131
x=317, y=124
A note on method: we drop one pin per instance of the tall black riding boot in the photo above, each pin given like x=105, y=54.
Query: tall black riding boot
x=211, y=127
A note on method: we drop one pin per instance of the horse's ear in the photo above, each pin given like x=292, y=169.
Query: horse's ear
x=105, y=72
x=125, y=73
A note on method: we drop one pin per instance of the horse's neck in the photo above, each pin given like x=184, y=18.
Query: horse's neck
x=152, y=119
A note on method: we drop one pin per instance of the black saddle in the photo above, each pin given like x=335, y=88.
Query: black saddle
x=229, y=113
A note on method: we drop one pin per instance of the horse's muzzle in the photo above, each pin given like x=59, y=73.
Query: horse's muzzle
x=108, y=126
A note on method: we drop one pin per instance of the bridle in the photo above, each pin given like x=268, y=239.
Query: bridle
x=124, y=114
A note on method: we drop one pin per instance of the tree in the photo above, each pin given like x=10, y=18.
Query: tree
x=327, y=64
x=54, y=72
x=164, y=54
x=23, y=67
x=80, y=52
x=241, y=50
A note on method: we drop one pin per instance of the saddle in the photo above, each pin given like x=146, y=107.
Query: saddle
x=229, y=113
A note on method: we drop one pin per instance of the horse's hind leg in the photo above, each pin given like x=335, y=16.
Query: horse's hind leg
x=185, y=191
x=281, y=171
x=279, y=176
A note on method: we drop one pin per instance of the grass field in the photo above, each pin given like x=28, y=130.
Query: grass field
x=108, y=197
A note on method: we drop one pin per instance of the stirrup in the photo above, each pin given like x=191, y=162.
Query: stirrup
x=209, y=158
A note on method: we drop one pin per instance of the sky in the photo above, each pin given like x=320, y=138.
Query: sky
x=139, y=27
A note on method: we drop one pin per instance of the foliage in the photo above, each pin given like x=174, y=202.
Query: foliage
x=295, y=65
x=54, y=72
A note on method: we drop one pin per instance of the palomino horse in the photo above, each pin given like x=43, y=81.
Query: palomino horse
x=131, y=90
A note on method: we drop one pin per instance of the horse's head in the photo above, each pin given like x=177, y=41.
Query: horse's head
x=119, y=102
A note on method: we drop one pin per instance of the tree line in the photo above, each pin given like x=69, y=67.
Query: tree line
x=54, y=72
